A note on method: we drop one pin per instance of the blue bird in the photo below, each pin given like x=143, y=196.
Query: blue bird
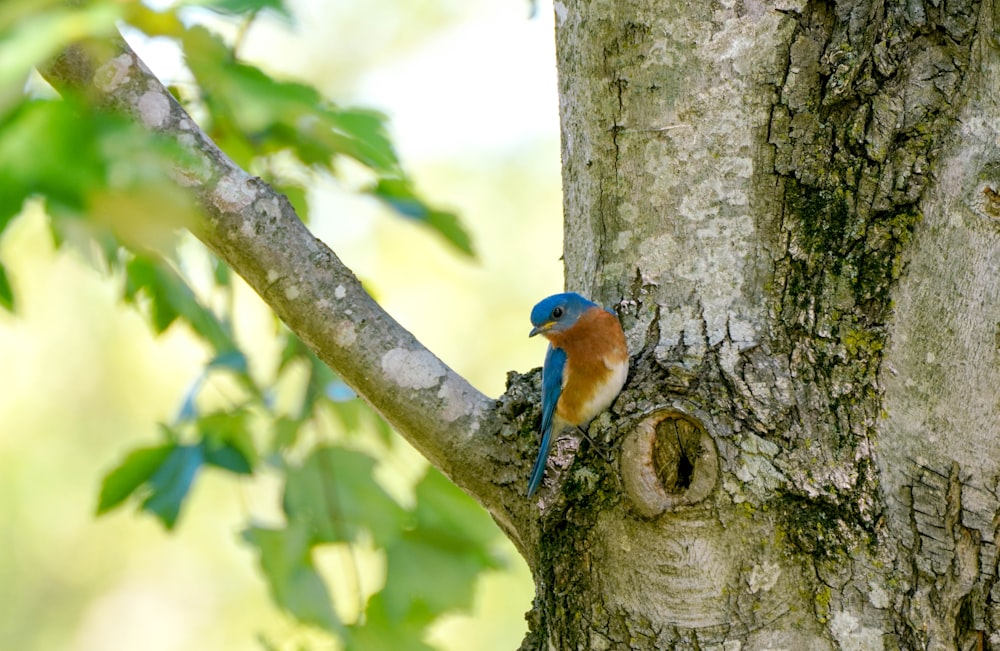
x=585, y=366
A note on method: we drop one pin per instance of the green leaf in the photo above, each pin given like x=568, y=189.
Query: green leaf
x=36, y=140
x=298, y=197
x=323, y=386
x=335, y=494
x=293, y=350
x=242, y=6
x=228, y=458
x=189, y=408
x=133, y=472
x=171, y=482
x=119, y=176
x=361, y=134
x=253, y=114
x=228, y=441
x=399, y=194
x=221, y=272
x=383, y=430
x=352, y=414
x=449, y=543
x=286, y=433
x=233, y=360
x=450, y=228
x=167, y=473
x=143, y=274
x=379, y=631
x=155, y=23
x=320, y=376
x=447, y=514
x=6, y=293
x=171, y=298
x=295, y=585
x=425, y=579
x=31, y=34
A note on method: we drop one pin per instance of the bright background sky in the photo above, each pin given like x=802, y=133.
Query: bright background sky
x=470, y=88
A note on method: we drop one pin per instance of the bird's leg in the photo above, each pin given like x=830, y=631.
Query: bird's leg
x=593, y=443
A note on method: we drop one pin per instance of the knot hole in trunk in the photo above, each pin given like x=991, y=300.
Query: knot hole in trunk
x=668, y=461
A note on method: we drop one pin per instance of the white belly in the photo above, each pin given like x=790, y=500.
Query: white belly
x=606, y=393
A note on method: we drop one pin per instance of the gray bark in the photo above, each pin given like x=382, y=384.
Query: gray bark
x=795, y=207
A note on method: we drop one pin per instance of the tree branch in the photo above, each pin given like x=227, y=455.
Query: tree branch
x=256, y=231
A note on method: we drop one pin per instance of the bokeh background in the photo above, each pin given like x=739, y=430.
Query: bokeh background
x=470, y=88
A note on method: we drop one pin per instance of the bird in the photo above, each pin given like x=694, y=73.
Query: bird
x=585, y=367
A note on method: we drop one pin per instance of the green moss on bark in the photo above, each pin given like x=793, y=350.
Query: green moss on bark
x=857, y=124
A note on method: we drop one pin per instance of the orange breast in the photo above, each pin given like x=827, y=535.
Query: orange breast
x=596, y=365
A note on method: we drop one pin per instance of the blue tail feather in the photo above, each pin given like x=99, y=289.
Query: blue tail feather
x=538, y=470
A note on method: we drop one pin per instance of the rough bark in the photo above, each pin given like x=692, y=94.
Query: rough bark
x=794, y=208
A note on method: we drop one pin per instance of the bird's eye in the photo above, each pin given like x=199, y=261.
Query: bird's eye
x=556, y=313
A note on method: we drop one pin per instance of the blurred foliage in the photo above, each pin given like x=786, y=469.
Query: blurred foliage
x=107, y=187
x=274, y=128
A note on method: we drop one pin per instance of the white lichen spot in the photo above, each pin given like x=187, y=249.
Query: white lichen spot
x=624, y=241
x=629, y=212
x=753, y=444
x=323, y=305
x=742, y=333
x=877, y=595
x=339, y=292
x=852, y=636
x=729, y=358
x=292, y=292
x=269, y=206
x=233, y=193
x=561, y=12
x=412, y=369
x=763, y=577
x=785, y=6
x=755, y=468
x=272, y=276
x=682, y=326
x=154, y=109
x=344, y=334
x=113, y=74
x=456, y=399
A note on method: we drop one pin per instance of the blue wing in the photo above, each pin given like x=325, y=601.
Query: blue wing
x=552, y=384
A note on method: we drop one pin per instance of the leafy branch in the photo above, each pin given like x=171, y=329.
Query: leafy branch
x=121, y=165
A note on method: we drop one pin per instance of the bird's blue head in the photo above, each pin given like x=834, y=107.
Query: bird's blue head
x=558, y=312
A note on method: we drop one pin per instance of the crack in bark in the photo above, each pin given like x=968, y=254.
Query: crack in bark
x=945, y=565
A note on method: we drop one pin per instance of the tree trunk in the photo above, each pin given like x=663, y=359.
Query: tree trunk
x=795, y=207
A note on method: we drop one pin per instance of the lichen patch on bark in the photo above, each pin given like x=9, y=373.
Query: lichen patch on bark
x=412, y=369
x=233, y=192
x=114, y=73
x=154, y=109
x=455, y=396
